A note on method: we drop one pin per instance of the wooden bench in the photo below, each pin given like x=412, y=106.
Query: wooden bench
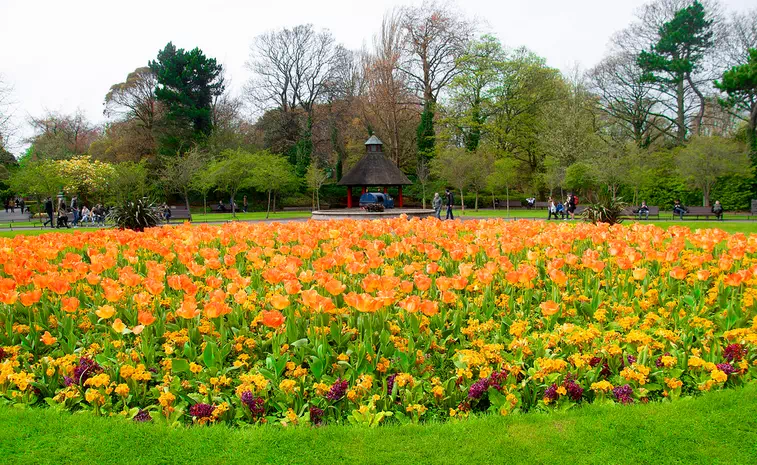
x=512, y=203
x=633, y=212
x=697, y=212
x=179, y=212
x=541, y=205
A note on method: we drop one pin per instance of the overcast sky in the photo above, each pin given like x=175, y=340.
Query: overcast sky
x=64, y=55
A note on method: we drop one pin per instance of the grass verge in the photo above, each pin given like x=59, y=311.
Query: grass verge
x=717, y=428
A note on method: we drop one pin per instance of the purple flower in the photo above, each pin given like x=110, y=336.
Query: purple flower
x=338, y=390
x=478, y=389
x=68, y=381
x=623, y=394
x=390, y=383
x=202, y=410
x=86, y=369
x=551, y=393
x=142, y=416
x=726, y=368
x=3, y=354
x=575, y=391
x=255, y=404
x=734, y=352
x=316, y=416
x=631, y=359
x=595, y=361
x=658, y=362
x=497, y=379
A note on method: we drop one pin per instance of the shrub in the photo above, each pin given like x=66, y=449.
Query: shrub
x=137, y=215
x=605, y=210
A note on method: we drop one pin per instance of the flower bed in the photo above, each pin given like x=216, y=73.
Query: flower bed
x=326, y=322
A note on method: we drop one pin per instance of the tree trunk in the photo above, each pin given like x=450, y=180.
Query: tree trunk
x=186, y=199
x=700, y=115
x=274, y=202
x=268, y=211
x=312, y=204
x=507, y=199
x=680, y=119
x=424, y=195
x=204, y=204
x=233, y=210
x=462, y=202
x=476, y=201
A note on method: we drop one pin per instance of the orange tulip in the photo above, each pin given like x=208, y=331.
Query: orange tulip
x=69, y=304
x=733, y=280
x=48, y=339
x=273, y=318
x=279, y=302
x=145, y=318
x=639, y=274
x=703, y=275
x=549, y=308
x=30, y=298
x=335, y=287
x=118, y=326
x=188, y=308
x=105, y=312
x=559, y=277
x=678, y=273
x=429, y=308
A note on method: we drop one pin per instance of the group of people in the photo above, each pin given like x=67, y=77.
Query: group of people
x=222, y=208
x=82, y=214
x=12, y=204
x=449, y=201
x=562, y=210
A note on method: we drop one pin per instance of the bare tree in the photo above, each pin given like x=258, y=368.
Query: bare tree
x=627, y=99
x=423, y=173
x=435, y=37
x=134, y=98
x=6, y=104
x=60, y=136
x=178, y=172
x=389, y=100
x=292, y=67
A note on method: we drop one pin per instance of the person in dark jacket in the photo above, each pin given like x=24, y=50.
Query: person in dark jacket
x=49, y=211
x=717, y=209
x=678, y=209
x=450, y=198
x=643, y=211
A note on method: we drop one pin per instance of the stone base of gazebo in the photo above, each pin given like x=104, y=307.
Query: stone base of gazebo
x=360, y=214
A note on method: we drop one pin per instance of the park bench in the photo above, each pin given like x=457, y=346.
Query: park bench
x=633, y=212
x=698, y=212
x=541, y=205
x=180, y=213
x=512, y=203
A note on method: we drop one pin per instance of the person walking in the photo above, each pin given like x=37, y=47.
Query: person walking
x=49, y=211
x=75, y=210
x=437, y=205
x=450, y=203
x=551, y=209
x=570, y=203
x=244, y=203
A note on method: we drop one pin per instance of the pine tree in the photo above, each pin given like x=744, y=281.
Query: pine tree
x=682, y=44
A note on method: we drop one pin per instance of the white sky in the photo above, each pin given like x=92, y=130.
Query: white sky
x=64, y=55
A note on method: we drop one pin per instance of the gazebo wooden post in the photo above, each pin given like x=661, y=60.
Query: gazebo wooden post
x=385, y=190
x=364, y=190
x=349, y=196
x=400, y=195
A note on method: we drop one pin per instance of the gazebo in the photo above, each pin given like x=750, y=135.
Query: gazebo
x=374, y=170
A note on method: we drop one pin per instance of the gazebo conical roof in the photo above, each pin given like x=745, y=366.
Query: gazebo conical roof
x=374, y=169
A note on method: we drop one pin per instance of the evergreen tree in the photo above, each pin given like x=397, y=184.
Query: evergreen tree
x=187, y=84
x=426, y=135
x=740, y=83
x=670, y=62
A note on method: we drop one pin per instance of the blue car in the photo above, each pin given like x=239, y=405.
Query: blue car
x=370, y=198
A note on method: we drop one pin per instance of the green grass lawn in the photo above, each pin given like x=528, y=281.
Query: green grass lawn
x=200, y=217
x=719, y=427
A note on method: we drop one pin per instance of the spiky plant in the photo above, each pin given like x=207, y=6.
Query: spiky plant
x=135, y=214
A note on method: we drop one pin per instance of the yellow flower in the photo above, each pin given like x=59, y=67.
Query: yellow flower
x=122, y=390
